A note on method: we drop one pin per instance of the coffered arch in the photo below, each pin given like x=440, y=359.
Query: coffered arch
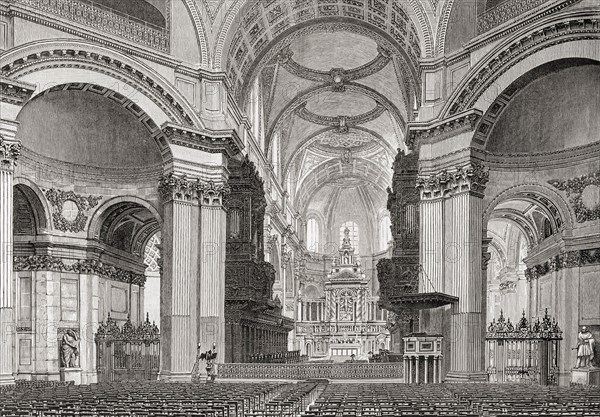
x=42, y=64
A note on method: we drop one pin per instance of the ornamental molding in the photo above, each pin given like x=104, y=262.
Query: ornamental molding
x=225, y=141
x=575, y=189
x=336, y=77
x=468, y=178
x=187, y=189
x=84, y=267
x=101, y=19
x=508, y=287
x=9, y=154
x=418, y=133
x=58, y=198
x=145, y=332
x=572, y=29
x=15, y=92
x=72, y=55
x=341, y=123
x=570, y=259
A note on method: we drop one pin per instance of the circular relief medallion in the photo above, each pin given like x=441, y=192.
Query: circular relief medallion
x=69, y=210
x=590, y=197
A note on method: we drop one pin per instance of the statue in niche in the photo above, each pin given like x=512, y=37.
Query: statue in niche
x=585, y=348
x=69, y=348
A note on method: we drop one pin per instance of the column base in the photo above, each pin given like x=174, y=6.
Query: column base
x=175, y=376
x=71, y=374
x=466, y=377
x=7, y=379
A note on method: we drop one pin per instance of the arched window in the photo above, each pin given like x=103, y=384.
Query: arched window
x=275, y=152
x=385, y=233
x=353, y=229
x=312, y=235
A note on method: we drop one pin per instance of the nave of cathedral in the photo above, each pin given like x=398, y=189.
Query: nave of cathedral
x=297, y=194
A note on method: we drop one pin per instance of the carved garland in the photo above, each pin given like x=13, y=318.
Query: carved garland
x=575, y=188
x=58, y=198
x=343, y=123
x=85, y=266
x=571, y=259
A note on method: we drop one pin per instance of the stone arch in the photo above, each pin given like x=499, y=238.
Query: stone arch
x=37, y=201
x=42, y=64
x=518, y=191
x=564, y=36
x=108, y=207
x=201, y=36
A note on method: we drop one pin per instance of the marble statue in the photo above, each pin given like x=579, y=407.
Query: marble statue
x=585, y=348
x=69, y=348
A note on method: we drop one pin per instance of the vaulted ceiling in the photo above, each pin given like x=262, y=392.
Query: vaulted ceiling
x=339, y=82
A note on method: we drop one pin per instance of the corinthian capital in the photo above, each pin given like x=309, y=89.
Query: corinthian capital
x=9, y=153
x=213, y=194
x=175, y=188
x=471, y=177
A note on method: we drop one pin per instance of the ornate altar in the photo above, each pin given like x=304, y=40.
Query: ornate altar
x=525, y=352
x=423, y=358
x=346, y=321
x=253, y=320
x=127, y=352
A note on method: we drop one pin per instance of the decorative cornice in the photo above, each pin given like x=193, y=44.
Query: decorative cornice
x=420, y=132
x=575, y=188
x=570, y=259
x=9, y=153
x=15, y=92
x=57, y=198
x=226, y=141
x=85, y=266
x=467, y=178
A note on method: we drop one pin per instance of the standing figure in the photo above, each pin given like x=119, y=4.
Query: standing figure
x=69, y=349
x=585, y=348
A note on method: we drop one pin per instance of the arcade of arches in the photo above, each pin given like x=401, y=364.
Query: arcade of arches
x=318, y=177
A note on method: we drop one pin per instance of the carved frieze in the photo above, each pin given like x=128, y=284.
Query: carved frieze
x=85, y=266
x=504, y=12
x=9, y=153
x=69, y=209
x=571, y=259
x=226, y=142
x=583, y=194
x=106, y=20
x=471, y=177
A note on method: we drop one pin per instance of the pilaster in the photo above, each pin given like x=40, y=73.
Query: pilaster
x=179, y=281
x=452, y=242
x=10, y=150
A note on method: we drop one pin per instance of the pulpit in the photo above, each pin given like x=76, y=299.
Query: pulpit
x=423, y=358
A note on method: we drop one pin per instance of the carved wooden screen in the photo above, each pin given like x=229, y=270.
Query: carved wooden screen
x=525, y=353
x=127, y=353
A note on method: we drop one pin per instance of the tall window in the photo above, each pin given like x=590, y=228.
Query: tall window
x=385, y=233
x=275, y=160
x=312, y=235
x=353, y=228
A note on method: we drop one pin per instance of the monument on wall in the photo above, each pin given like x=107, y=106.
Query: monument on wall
x=585, y=373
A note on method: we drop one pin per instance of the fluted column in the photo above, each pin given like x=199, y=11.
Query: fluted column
x=179, y=276
x=9, y=152
x=432, y=244
x=459, y=223
x=211, y=289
